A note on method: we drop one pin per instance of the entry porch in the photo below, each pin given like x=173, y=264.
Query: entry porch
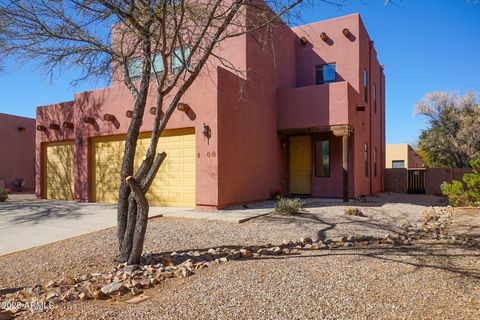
x=318, y=161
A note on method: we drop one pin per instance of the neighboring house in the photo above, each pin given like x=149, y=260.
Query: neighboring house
x=402, y=156
x=17, y=156
x=308, y=119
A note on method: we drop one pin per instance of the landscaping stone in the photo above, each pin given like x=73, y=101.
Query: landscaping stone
x=112, y=288
x=133, y=279
x=306, y=240
x=6, y=315
x=67, y=281
x=129, y=269
x=138, y=299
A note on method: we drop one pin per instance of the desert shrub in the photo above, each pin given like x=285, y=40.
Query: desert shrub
x=466, y=193
x=289, y=206
x=3, y=195
x=354, y=212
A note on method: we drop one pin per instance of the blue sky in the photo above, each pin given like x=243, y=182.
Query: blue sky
x=425, y=45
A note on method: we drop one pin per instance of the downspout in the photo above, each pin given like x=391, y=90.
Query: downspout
x=369, y=83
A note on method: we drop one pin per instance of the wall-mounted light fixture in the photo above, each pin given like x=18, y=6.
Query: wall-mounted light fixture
x=41, y=127
x=129, y=113
x=21, y=128
x=183, y=107
x=206, y=130
x=54, y=126
x=346, y=32
x=67, y=125
x=109, y=117
x=303, y=41
x=324, y=36
x=88, y=119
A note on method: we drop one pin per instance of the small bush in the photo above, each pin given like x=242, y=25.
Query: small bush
x=466, y=193
x=455, y=192
x=3, y=195
x=289, y=207
x=354, y=212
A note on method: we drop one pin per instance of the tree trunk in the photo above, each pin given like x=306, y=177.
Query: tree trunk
x=135, y=208
x=134, y=226
x=138, y=230
x=125, y=246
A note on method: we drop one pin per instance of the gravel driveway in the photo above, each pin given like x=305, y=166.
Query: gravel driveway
x=424, y=281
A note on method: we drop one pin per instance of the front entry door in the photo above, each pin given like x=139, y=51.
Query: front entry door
x=300, y=165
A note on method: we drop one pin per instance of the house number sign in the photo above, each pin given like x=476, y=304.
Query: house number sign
x=209, y=154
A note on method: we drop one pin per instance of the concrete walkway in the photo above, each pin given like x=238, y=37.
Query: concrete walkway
x=30, y=223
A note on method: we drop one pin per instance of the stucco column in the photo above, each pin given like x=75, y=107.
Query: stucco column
x=344, y=132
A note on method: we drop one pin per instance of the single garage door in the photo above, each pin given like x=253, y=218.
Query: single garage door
x=58, y=170
x=174, y=184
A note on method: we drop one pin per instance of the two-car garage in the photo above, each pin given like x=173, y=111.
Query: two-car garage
x=174, y=184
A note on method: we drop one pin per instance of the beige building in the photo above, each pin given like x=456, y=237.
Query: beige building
x=402, y=155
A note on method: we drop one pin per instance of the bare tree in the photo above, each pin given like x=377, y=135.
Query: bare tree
x=3, y=37
x=146, y=35
x=453, y=136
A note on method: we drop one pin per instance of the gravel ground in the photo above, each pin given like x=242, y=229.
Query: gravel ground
x=21, y=196
x=424, y=281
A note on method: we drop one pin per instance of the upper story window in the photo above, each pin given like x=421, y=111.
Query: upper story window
x=374, y=98
x=179, y=58
x=365, y=85
x=325, y=73
x=135, y=66
x=157, y=64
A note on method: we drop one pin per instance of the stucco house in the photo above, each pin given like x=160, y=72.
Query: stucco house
x=306, y=118
x=402, y=155
x=17, y=155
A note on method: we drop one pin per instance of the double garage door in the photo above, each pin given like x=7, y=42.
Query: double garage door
x=174, y=184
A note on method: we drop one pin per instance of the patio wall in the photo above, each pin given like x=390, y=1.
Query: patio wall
x=396, y=179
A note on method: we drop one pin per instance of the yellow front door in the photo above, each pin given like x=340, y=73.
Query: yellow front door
x=58, y=171
x=300, y=165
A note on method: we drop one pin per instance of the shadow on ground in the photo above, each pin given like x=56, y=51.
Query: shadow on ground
x=39, y=211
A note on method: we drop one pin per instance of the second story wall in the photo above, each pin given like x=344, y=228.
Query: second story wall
x=248, y=110
x=338, y=49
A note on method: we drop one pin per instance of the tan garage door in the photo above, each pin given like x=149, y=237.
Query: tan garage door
x=174, y=184
x=58, y=170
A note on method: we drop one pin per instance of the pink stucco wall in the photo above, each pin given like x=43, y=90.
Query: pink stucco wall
x=341, y=102
x=17, y=155
x=314, y=105
x=248, y=118
x=248, y=112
